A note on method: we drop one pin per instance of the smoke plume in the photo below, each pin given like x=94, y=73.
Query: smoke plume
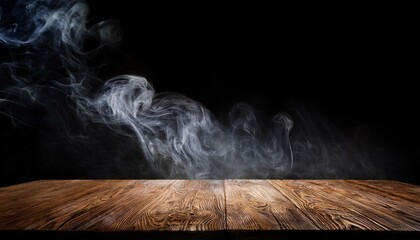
x=47, y=82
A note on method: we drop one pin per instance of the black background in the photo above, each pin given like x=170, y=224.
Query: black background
x=356, y=63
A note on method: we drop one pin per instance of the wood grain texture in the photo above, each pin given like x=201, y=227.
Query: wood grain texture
x=114, y=205
x=210, y=205
x=337, y=205
x=256, y=205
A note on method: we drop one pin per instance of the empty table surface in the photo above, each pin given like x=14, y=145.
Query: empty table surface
x=210, y=205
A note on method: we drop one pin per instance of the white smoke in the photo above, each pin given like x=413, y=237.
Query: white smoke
x=178, y=137
x=181, y=138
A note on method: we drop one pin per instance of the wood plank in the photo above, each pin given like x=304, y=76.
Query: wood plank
x=334, y=205
x=45, y=205
x=387, y=202
x=114, y=205
x=256, y=205
x=392, y=189
x=398, y=213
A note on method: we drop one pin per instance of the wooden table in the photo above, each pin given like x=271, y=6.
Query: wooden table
x=211, y=208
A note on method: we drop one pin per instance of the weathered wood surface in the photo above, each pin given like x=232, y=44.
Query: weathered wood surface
x=210, y=205
x=256, y=205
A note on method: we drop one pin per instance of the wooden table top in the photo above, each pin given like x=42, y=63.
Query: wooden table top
x=210, y=205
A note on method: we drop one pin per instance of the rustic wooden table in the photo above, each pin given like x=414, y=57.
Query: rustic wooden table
x=243, y=206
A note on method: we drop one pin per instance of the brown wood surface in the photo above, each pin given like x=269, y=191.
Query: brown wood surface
x=256, y=205
x=210, y=205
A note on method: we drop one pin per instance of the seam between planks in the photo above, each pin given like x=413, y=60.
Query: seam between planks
x=297, y=207
x=225, y=215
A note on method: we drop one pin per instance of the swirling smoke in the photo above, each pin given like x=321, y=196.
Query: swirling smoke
x=47, y=73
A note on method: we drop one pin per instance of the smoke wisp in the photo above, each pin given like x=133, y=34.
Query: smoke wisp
x=49, y=44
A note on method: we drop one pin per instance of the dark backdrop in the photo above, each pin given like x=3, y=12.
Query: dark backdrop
x=355, y=63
